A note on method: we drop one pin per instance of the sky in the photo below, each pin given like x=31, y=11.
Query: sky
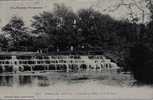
x=28, y=8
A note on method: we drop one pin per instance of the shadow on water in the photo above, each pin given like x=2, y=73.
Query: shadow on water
x=38, y=80
x=6, y=80
x=20, y=81
x=43, y=81
x=24, y=80
x=59, y=78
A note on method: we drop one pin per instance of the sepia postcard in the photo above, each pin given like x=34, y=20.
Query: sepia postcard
x=76, y=50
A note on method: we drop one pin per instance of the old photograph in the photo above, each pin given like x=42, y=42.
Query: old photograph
x=76, y=49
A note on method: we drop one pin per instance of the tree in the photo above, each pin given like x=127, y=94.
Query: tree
x=17, y=33
x=59, y=26
x=102, y=31
x=41, y=42
x=150, y=24
x=3, y=42
x=149, y=4
x=140, y=63
x=66, y=26
x=132, y=6
x=91, y=26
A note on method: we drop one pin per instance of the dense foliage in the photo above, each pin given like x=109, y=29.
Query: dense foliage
x=127, y=43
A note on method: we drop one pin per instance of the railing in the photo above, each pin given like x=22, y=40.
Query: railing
x=52, y=61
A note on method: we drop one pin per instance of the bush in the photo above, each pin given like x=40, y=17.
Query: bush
x=140, y=60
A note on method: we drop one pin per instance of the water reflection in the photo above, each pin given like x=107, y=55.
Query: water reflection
x=32, y=80
x=20, y=81
x=24, y=80
x=6, y=80
x=58, y=78
x=43, y=81
x=36, y=80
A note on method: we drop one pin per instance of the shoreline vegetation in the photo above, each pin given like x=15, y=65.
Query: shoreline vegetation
x=127, y=43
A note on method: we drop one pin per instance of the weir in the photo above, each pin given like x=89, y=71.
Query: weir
x=60, y=63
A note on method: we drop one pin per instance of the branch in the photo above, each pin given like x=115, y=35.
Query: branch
x=129, y=6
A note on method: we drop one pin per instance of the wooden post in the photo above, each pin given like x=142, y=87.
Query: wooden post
x=47, y=67
x=78, y=67
x=104, y=66
x=55, y=66
x=100, y=67
x=87, y=68
x=95, y=67
x=3, y=68
x=31, y=68
x=67, y=68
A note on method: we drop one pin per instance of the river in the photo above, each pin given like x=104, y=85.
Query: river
x=66, y=85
